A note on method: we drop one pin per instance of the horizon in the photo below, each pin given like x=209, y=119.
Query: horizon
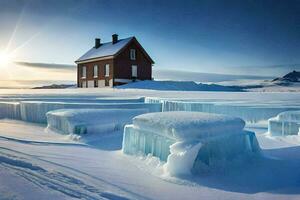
x=236, y=38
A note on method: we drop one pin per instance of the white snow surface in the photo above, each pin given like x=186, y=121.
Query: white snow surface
x=106, y=49
x=35, y=164
x=182, y=157
x=182, y=125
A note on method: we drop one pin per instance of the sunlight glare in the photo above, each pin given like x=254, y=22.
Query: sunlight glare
x=5, y=58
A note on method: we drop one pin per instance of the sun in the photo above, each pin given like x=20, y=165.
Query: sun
x=5, y=58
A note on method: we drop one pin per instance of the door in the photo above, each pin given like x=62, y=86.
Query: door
x=134, y=71
x=106, y=81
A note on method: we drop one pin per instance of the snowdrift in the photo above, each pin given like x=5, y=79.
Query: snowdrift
x=286, y=123
x=189, y=142
x=90, y=121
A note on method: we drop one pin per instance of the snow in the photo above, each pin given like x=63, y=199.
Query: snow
x=182, y=158
x=90, y=121
x=180, y=125
x=286, y=123
x=106, y=49
x=36, y=164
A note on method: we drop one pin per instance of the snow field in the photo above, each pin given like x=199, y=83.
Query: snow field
x=70, y=170
x=189, y=141
x=90, y=121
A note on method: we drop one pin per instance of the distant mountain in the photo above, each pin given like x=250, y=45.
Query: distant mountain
x=179, y=86
x=292, y=77
x=56, y=86
x=174, y=75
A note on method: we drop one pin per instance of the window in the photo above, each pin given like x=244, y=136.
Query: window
x=132, y=54
x=83, y=75
x=134, y=71
x=95, y=83
x=107, y=70
x=95, y=72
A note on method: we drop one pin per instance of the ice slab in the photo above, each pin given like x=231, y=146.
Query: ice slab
x=35, y=111
x=181, y=125
x=286, y=123
x=73, y=99
x=189, y=142
x=192, y=157
x=10, y=110
x=250, y=112
x=90, y=121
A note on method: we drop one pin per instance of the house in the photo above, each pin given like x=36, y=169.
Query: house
x=114, y=63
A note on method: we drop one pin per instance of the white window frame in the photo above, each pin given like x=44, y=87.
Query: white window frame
x=83, y=75
x=95, y=71
x=106, y=70
x=132, y=54
x=134, y=71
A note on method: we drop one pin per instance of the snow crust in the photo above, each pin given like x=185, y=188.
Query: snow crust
x=90, y=121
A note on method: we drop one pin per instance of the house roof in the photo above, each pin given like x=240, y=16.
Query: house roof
x=108, y=49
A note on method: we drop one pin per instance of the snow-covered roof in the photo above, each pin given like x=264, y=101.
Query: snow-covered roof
x=106, y=49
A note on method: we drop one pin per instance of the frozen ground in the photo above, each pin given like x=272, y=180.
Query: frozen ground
x=35, y=164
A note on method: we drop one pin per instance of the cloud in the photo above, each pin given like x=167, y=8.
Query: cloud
x=47, y=65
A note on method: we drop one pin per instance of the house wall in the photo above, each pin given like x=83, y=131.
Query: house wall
x=123, y=63
x=89, y=73
x=120, y=68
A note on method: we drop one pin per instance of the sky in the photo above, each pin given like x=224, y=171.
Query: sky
x=252, y=37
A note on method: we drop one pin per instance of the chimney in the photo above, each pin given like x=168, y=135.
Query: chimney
x=114, y=38
x=97, y=43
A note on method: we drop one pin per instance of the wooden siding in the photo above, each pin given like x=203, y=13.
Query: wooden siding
x=123, y=63
x=120, y=66
x=90, y=70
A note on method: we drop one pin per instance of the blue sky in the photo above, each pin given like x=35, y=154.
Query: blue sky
x=258, y=37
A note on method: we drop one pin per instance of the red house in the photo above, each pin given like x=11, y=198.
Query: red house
x=114, y=63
